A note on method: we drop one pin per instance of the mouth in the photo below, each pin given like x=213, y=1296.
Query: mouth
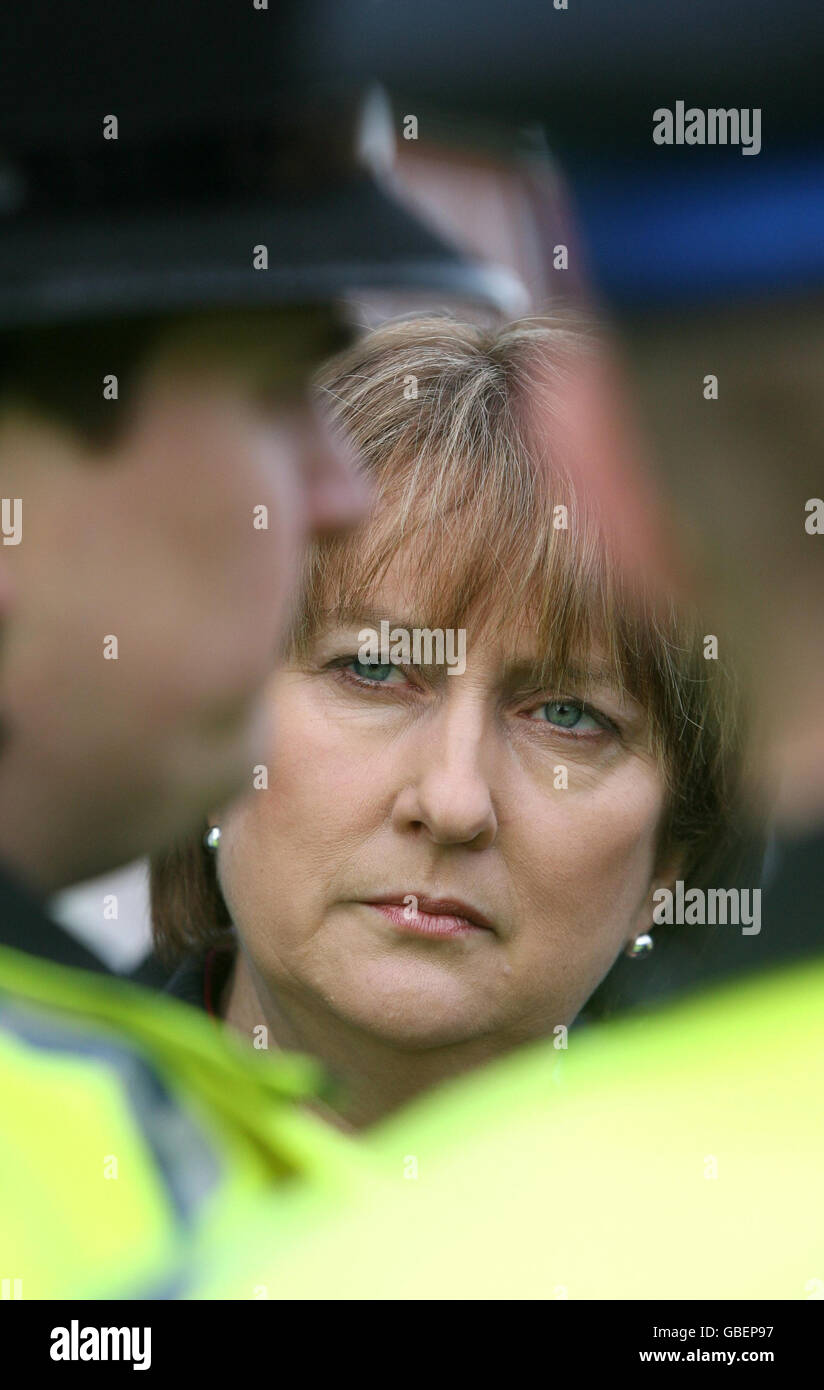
x=423, y=916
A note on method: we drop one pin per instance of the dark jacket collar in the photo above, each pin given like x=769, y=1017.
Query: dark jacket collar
x=200, y=979
x=25, y=926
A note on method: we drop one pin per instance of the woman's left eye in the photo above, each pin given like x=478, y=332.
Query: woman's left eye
x=567, y=714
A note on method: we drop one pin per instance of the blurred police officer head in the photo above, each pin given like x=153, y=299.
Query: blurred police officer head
x=180, y=214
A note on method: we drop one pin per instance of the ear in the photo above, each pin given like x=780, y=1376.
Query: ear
x=667, y=872
x=665, y=875
x=218, y=816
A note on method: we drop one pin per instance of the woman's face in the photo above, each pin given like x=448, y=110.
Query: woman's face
x=483, y=791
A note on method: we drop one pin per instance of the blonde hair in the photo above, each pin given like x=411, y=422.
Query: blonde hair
x=468, y=488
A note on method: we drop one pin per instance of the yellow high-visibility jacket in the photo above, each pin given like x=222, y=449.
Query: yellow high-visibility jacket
x=130, y=1127
x=678, y=1154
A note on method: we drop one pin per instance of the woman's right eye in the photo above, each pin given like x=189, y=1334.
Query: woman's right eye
x=370, y=675
x=371, y=670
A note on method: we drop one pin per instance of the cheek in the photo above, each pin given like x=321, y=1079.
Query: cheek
x=259, y=531
x=588, y=861
x=323, y=785
x=284, y=847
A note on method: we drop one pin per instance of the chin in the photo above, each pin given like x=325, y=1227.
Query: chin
x=408, y=1013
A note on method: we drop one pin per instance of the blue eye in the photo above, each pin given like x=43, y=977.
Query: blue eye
x=566, y=714
x=372, y=670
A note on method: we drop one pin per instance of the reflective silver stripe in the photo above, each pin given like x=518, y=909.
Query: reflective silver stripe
x=185, y=1159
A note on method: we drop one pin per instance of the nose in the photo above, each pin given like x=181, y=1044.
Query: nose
x=337, y=494
x=449, y=797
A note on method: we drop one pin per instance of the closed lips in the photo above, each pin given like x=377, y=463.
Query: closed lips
x=435, y=907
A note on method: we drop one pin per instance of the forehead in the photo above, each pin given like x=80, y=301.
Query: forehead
x=496, y=539
x=501, y=633
x=273, y=346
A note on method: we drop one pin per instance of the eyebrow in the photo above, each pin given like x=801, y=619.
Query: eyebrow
x=593, y=673
x=335, y=335
x=350, y=616
x=312, y=349
x=524, y=671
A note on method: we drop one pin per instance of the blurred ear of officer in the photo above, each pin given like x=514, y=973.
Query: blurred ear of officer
x=177, y=223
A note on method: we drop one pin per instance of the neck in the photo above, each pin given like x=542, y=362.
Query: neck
x=23, y=850
x=375, y=1076
x=44, y=842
